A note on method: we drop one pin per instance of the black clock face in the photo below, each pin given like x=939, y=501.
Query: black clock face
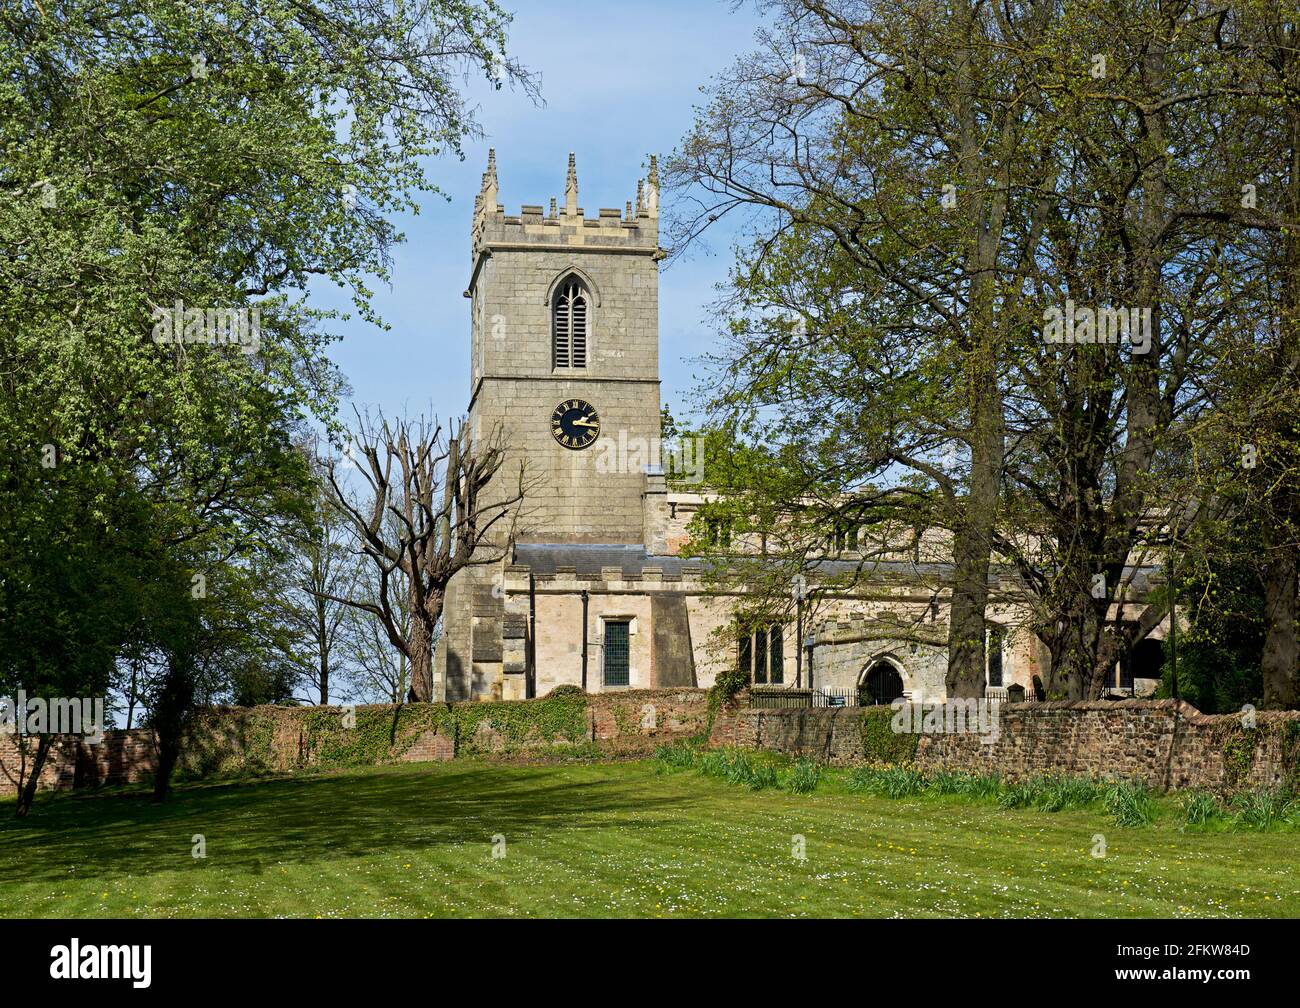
x=575, y=424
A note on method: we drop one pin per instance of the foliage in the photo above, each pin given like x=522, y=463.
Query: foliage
x=560, y=715
x=1200, y=810
x=892, y=782
x=676, y=755
x=880, y=743
x=1239, y=755
x=1264, y=809
x=1022, y=794
x=980, y=786
x=225, y=742
x=326, y=643
x=1130, y=804
x=1220, y=652
x=1240, y=744
x=755, y=771
x=380, y=734
x=803, y=777
x=157, y=153
x=898, y=281
x=726, y=686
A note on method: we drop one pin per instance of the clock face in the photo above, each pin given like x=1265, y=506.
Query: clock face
x=575, y=424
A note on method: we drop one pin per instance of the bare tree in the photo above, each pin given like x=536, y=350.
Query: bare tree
x=449, y=513
x=322, y=569
x=379, y=672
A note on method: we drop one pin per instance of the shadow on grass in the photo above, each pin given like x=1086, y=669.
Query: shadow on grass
x=251, y=824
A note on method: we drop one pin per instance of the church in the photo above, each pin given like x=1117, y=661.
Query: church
x=592, y=589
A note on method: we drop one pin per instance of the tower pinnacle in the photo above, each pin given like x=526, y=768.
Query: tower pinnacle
x=571, y=189
x=652, y=188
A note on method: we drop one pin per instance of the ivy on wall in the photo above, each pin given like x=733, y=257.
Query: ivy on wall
x=230, y=744
x=880, y=743
x=260, y=740
x=725, y=688
x=559, y=716
x=1239, y=756
x=378, y=735
x=1241, y=745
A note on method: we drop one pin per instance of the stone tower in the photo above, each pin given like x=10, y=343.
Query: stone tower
x=564, y=332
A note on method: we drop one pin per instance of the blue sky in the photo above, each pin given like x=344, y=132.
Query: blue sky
x=619, y=81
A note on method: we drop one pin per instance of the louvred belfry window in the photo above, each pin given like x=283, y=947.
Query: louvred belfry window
x=570, y=326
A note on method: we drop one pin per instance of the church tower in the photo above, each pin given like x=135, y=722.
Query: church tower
x=565, y=371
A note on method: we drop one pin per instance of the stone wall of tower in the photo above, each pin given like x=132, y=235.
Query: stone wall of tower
x=594, y=495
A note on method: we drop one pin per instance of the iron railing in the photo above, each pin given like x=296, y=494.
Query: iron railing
x=791, y=697
x=786, y=698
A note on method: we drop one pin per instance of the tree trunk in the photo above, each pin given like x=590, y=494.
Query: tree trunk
x=1073, y=647
x=973, y=535
x=965, y=676
x=1280, y=652
x=322, y=648
x=131, y=693
x=170, y=716
x=972, y=546
x=421, y=647
x=28, y=793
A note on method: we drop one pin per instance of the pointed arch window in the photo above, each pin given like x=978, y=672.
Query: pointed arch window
x=569, y=325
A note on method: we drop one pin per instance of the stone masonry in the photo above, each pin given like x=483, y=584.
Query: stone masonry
x=1165, y=743
x=621, y=725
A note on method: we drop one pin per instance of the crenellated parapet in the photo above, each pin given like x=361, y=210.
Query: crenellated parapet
x=635, y=226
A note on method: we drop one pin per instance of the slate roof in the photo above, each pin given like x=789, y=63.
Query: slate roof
x=544, y=558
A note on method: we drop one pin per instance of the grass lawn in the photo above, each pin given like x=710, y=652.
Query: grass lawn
x=610, y=839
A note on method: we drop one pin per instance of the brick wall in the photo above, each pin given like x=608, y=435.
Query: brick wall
x=633, y=721
x=1165, y=743
x=266, y=739
x=123, y=757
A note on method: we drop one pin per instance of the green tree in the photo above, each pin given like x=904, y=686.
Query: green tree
x=220, y=156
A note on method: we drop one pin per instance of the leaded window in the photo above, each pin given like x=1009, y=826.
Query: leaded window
x=617, y=660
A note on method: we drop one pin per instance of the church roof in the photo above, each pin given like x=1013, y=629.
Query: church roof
x=545, y=558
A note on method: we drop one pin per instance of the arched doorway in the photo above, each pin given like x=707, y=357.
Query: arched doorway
x=882, y=683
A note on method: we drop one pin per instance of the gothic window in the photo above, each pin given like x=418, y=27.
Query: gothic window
x=843, y=539
x=569, y=325
x=717, y=532
x=761, y=655
x=996, y=635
